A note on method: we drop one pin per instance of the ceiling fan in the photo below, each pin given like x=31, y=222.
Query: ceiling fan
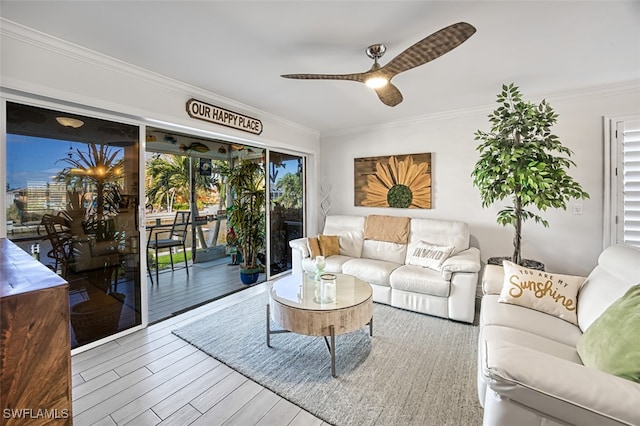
x=379, y=77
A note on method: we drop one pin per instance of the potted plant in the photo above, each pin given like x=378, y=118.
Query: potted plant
x=522, y=160
x=246, y=214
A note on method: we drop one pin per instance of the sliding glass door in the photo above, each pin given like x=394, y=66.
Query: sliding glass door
x=72, y=191
x=286, y=207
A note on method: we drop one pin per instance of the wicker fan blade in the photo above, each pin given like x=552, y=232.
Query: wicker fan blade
x=360, y=77
x=430, y=48
x=389, y=95
x=427, y=49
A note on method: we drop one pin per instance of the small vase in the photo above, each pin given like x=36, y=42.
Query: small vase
x=320, y=265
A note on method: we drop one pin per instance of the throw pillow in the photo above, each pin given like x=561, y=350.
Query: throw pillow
x=553, y=294
x=314, y=247
x=612, y=342
x=428, y=255
x=393, y=229
x=329, y=245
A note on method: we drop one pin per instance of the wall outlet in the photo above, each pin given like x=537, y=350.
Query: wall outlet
x=577, y=208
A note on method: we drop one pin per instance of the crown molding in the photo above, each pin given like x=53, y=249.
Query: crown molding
x=47, y=42
x=569, y=95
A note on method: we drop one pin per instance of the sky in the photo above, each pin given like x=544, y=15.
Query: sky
x=37, y=159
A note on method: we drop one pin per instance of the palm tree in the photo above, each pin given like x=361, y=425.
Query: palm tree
x=169, y=176
x=98, y=170
x=100, y=166
x=291, y=187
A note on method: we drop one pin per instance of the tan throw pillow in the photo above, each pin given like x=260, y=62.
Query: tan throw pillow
x=314, y=247
x=329, y=245
x=428, y=255
x=553, y=294
x=394, y=229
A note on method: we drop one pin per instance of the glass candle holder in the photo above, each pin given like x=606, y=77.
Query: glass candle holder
x=327, y=288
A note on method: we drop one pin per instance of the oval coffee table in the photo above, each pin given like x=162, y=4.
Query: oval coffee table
x=293, y=305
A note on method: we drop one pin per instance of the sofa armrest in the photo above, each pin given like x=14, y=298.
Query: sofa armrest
x=466, y=261
x=300, y=251
x=559, y=388
x=492, y=279
x=300, y=244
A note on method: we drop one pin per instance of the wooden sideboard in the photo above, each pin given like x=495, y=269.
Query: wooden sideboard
x=35, y=351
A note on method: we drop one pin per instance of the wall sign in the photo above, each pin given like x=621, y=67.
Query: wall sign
x=224, y=117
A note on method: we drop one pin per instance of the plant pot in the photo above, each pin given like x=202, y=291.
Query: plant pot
x=249, y=276
x=527, y=263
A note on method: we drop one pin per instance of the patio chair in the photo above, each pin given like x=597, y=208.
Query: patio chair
x=164, y=237
x=58, y=234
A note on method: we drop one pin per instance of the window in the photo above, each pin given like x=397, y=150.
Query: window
x=630, y=176
x=625, y=181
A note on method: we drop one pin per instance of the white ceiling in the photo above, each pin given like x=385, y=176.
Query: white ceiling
x=239, y=49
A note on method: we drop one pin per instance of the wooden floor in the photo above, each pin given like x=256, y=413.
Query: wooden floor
x=152, y=377
x=176, y=291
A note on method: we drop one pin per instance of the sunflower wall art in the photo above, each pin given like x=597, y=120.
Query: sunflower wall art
x=400, y=181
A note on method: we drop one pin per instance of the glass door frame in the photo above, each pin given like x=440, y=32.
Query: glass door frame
x=65, y=107
x=304, y=158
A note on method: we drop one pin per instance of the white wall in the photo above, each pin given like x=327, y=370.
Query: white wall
x=572, y=242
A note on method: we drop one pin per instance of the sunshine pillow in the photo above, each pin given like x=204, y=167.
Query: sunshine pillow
x=612, y=342
x=329, y=245
x=428, y=255
x=553, y=294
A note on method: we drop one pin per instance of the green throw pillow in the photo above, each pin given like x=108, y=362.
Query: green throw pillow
x=612, y=342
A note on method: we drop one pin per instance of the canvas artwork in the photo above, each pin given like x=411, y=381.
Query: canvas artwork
x=399, y=181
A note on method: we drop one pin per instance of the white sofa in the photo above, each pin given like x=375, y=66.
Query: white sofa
x=529, y=370
x=448, y=293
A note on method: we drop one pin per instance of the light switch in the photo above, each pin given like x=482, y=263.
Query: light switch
x=577, y=208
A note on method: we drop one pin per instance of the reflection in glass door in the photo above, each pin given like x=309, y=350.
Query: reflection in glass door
x=73, y=185
x=286, y=204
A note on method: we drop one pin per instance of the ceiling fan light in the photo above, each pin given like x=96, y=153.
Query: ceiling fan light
x=376, y=82
x=70, y=122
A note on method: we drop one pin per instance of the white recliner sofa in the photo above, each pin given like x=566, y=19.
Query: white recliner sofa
x=529, y=367
x=448, y=292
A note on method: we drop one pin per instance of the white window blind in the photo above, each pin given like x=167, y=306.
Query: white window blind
x=631, y=183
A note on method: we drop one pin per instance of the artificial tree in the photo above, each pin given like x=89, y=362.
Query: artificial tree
x=521, y=159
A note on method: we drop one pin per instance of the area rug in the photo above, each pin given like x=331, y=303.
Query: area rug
x=415, y=370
